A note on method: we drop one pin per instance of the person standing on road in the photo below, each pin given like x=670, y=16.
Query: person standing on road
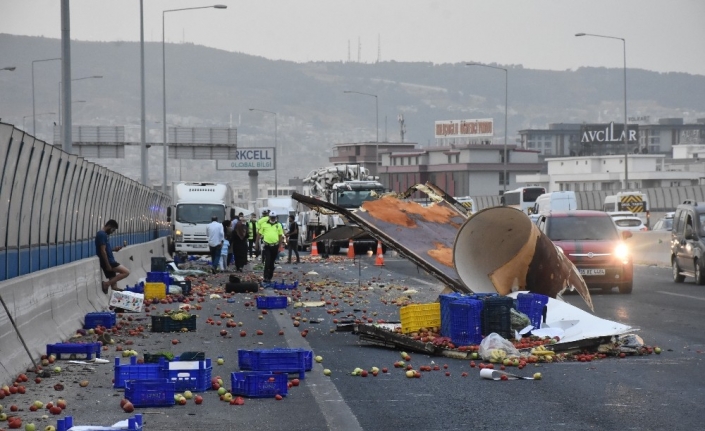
x=238, y=239
x=293, y=239
x=272, y=236
x=111, y=268
x=216, y=236
x=260, y=223
x=251, y=235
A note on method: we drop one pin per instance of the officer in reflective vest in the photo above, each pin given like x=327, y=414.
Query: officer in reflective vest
x=272, y=236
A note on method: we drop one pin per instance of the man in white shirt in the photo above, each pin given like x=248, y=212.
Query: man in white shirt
x=216, y=235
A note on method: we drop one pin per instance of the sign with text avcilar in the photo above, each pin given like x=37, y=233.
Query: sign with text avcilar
x=249, y=159
x=608, y=133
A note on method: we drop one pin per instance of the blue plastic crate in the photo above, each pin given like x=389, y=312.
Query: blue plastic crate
x=134, y=371
x=150, y=393
x=445, y=301
x=277, y=360
x=258, y=384
x=137, y=288
x=269, y=302
x=159, y=277
x=101, y=318
x=497, y=316
x=281, y=286
x=186, y=376
x=465, y=321
x=133, y=424
x=88, y=349
x=532, y=305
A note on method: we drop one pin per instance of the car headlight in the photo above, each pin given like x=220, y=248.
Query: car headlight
x=621, y=252
x=179, y=235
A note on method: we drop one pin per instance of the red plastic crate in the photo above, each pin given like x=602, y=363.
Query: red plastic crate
x=258, y=384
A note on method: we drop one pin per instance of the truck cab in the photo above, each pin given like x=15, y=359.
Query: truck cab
x=351, y=194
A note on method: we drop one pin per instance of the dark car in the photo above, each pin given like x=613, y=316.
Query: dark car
x=592, y=242
x=688, y=242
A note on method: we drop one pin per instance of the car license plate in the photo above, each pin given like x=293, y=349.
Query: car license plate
x=200, y=245
x=592, y=271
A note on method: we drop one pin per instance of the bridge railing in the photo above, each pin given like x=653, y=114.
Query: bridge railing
x=56, y=202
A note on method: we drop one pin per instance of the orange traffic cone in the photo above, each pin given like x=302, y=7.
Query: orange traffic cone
x=380, y=258
x=351, y=249
x=314, y=247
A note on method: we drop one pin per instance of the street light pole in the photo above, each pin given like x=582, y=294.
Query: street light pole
x=506, y=104
x=377, y=124
x=143, y=115
x=626, y=130
x=276, y=148
x=34, y=130
x=164, y=147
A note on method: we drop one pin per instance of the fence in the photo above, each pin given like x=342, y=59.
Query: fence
x=56, y=202
x=660, y=199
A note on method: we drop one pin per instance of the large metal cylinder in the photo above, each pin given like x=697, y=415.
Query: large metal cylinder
x=501, y=250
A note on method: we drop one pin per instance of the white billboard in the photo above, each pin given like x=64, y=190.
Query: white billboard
x=249, y=159
x=464, y=128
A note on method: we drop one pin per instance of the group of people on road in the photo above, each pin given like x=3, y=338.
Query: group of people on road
x=230, y=242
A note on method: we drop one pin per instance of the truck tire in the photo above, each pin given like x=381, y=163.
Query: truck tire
x=241, y=287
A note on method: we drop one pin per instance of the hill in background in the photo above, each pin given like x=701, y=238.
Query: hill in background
x=207, y=87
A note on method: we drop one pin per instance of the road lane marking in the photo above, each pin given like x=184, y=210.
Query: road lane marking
x=682, y=295
x=333, y=407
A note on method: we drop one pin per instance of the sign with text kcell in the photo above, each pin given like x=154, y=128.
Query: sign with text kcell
x=249, y=159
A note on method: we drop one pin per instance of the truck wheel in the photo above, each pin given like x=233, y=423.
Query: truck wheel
x=335, y=249
x=677, y=276
x=699, y=273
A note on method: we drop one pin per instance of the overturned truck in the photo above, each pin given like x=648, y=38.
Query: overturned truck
x=496, y=250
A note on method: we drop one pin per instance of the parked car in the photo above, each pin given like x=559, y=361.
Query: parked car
x=688, y=242
x=665, y=222
x=632, y=224
x=591, y=241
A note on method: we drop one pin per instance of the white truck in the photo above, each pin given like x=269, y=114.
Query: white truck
x=193, y=205
x=634, y=202
x=346, y=186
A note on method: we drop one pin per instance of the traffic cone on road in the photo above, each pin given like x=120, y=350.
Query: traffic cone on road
x=314, y=247
x=380, y=257
x=351, y=249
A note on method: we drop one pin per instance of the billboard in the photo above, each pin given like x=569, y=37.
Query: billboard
x=464, y=128
x=608, y=133
x=249, y=159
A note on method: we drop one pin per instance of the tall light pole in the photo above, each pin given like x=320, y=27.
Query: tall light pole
x=143, y=112
x=626, y=130
x=34, y=130
x=276, y=148
x=217, y=6
x=377, y=120
x=75, y=79
x=33, y=115
x=506, y=99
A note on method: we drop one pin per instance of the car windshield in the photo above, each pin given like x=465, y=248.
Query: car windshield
x=581, y=228
x=666, y=224
x=199, y=213
x=355, y=198
x=627, y=222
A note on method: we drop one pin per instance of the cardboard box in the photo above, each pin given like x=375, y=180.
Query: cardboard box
x=127, y=300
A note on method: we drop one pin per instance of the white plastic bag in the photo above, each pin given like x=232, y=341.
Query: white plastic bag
x=495, y=348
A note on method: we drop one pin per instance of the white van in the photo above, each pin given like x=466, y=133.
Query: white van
x=555, y=201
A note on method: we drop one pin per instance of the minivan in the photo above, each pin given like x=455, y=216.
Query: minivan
x=688, y=242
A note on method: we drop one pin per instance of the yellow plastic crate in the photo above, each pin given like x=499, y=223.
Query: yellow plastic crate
x=154, y=291
x=417, y=316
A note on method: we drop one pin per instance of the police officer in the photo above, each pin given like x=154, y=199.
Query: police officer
x=260, y=222
x=272, y=236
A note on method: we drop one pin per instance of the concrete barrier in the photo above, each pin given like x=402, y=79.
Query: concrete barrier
x=49, y=306
x=651, y=248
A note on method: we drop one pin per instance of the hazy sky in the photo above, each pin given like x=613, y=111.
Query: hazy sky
x=661, y=35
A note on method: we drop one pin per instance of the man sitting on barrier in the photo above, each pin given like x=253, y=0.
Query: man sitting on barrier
x=111, y=268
